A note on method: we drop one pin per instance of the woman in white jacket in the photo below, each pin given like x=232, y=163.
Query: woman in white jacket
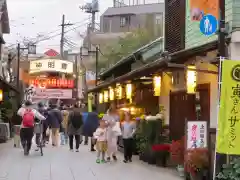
x=112, y=120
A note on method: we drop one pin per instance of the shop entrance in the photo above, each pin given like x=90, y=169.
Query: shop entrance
x=182, y=107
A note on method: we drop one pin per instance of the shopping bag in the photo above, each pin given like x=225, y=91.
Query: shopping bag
x=117, y=129
x=47, y=132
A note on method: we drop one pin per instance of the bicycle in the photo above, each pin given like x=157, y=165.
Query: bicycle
x=38, y=129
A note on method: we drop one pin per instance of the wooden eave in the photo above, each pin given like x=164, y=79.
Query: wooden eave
x=128, y=60
x=159, y=65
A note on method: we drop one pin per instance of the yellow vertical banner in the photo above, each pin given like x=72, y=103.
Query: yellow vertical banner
x=228, y=134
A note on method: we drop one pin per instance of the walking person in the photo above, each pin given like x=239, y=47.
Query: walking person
x=55, y=119
x=64, y=135
x=90, y=125
x=112, y=119
x=101, y=145
x=74, y=128
x=28, y=115
x=84, y=116
x=128, y=130
x=40, y=128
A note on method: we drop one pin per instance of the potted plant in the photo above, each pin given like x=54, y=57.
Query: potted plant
x=141, y=140
x=177, y=155
x=153, y=129
x=230, y=171
x=197, y=163
x=162, y=154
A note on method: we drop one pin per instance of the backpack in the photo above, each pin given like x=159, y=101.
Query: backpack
x=76, y=120
x=28, y=118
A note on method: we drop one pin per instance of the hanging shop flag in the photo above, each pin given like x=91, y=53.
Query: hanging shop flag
x=191, y=80
x=228, y=135
x=100, y=98
x=157, y=85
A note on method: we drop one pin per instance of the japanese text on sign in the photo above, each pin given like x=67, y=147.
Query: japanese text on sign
x=197, y=134
x=51, y=65
x=233, y=117
x=228, y=135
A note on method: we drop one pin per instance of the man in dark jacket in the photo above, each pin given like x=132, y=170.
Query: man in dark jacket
x=90, y=125
x=55, y=119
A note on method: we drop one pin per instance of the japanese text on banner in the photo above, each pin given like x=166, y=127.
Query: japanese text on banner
x=229, y=112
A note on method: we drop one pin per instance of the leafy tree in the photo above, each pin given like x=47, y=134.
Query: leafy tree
x=123, y=47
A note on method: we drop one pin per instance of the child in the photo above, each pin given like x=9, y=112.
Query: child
x=101, y=145
x=128, y=130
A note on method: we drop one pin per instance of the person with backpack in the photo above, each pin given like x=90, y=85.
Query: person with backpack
x=75, y=123
x=28, y=115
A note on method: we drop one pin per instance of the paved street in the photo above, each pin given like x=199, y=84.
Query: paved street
x=61, y=164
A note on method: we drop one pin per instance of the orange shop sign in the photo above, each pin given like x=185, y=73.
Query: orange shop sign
x=52, y=82
x=200, y=8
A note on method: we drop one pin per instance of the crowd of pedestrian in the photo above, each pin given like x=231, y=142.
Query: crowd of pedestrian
x=71, y=124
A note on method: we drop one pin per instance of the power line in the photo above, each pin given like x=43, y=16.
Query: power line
x=38, y=39
x=51, y=37
x=55, y=35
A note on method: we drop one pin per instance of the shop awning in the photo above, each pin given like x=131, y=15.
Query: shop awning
x=158, y=65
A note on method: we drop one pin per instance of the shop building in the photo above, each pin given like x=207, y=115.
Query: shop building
x=188, y=67
x=53, y=79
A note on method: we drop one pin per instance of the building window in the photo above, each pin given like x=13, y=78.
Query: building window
x=158, y=19
x=124, y=21
x=64, y=66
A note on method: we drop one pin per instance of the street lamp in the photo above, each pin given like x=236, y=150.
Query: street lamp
x=86, y=52
x=31, y=50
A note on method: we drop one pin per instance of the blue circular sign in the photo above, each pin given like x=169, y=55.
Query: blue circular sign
x=208, y=25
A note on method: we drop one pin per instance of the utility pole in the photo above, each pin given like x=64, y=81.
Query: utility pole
x=18, y=66
x=221, y=159
x=62, y=35
x=96, y=63
x=222, y=31
x=91, y=8
x=31, y=49
x=96, y=75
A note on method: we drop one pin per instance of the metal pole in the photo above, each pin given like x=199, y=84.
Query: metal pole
x=221, y=37
x=220, y=159
x=96, y=75
x=77, y=74
x=62, y=36
x=18, y=66
x=93, y=21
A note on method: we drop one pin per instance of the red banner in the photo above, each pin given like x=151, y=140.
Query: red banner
x=52, y=83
